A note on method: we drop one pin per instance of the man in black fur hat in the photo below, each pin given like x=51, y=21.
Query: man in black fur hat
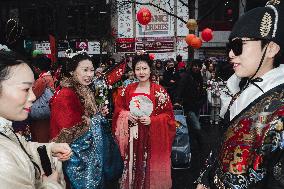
x=251, y=152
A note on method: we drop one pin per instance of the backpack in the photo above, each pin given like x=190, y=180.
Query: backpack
x=40, y=108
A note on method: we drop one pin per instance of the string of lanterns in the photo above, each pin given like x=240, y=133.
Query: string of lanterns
x=144, y=17
x=195, y=41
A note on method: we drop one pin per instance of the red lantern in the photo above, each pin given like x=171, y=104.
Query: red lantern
x=207, y=34
x=188, y=38
x=229, y=12
x=144, y=16
x=196, y=43
x=151, y=56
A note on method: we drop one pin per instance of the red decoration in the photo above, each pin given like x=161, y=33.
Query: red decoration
x=207, y=34
x=52, y=42
x=188, y=38
x=229, y=12
x=280, y=112
x=196, y=43
x=114, y=75
x=144, y=16
x=152, y=56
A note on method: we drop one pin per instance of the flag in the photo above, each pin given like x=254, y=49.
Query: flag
x=115, y=74
x=52, y=48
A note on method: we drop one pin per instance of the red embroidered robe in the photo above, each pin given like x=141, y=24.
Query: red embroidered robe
x=152, y=148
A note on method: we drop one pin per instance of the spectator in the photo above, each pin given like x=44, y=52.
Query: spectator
x=206, y=71
x=40, y=127
x=180, y=64
x=131, y=78
x=170, y=78
x=192, y=95
x=159, y=70
x=214, y=88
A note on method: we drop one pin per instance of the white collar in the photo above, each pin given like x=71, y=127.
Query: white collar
x=271, y=79
x=232, y=87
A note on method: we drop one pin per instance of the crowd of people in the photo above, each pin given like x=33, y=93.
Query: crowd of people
x=84, y=136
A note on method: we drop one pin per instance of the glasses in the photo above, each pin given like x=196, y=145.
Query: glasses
x=236, y=45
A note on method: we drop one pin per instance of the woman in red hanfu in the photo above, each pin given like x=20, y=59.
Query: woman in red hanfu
x=144, y=126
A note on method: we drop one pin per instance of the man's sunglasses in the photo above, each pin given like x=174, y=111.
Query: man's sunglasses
x=236, y=45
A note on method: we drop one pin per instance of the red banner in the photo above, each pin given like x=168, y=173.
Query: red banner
x=114, y=75
x=155, y=44
x=125, y=45
x=52, y=48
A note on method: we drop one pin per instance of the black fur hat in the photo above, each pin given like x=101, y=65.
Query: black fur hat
x=262, y=23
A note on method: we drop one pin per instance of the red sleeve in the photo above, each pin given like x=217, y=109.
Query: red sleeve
x=41, y=83
x=39, y=86
x=164, y=122
x=118, y=106
x=66, y=111
x=162, y=132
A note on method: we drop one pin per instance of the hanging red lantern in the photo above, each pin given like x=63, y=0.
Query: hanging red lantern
x=229, y=12
x=207, y=34
x=151, y=56
x=196, y=43
x=144, y=16
x=191, y=24
x=188, y=38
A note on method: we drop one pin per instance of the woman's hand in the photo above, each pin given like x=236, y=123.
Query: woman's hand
x=145, y=120
x=54, y=177
x=132, y=118
x=61, y=150
x=105, y=110
x=200, y=186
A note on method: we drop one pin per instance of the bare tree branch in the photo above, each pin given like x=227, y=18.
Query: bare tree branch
x=183, y=3
x=158, y=7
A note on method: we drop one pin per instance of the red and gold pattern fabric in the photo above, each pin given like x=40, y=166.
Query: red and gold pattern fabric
x=252, y=148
